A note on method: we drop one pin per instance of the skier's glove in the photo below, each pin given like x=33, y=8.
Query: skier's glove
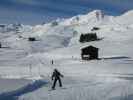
x=62, y=75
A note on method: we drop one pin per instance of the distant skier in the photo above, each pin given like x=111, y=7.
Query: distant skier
x=0, y=45
x=56, y=76
x=52, y=62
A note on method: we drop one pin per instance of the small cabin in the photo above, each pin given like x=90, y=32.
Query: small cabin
x=89, y=53
x=95, y=28
x=88, y=37
x=31, y=39
x=2, y=26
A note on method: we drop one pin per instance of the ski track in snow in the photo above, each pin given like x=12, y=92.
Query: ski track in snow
x=13, y=95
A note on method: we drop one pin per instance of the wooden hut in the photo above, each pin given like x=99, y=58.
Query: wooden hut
x=88, y=37
x=89, y=53
x=31, y=39
x=95, y=28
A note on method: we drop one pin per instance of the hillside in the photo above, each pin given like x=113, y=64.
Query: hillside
x=107, y=79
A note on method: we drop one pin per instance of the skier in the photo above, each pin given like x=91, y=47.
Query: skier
x=56, y=76
x=52, y=62
x=0, y=45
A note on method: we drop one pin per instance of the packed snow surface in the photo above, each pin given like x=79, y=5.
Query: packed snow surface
x=110, y=78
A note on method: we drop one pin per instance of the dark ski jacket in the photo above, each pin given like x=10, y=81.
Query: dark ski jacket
x=56, y=75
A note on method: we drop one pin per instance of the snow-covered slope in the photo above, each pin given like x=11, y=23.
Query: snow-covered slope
x=59, y=41
x=126, y=18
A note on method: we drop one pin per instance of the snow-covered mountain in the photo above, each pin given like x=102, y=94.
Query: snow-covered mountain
x=59, y=41
x=63, y=33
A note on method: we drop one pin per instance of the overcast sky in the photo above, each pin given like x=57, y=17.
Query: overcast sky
x=38, y=11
